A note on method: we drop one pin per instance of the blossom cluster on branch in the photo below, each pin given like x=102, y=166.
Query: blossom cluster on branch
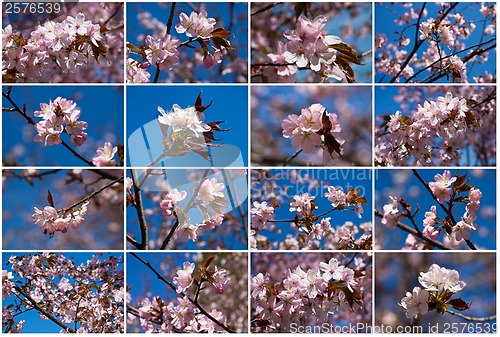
x=450, y=45
x=83, y=298
x=319, y=293
x=310, y=47
x=439, y=284
x=186, y=311
x=448, y=192
x=67, y=50
x=310, y=226
x=202, y=208
x=314, y=128
x=162, y=50
x=441, y=130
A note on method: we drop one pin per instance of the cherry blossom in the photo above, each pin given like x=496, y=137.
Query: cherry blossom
x=105, y=155
x=59, y=116
x=437, y=131
x=306, y=52
x=67, y=49
x=307, y=293
x=314, y=128
x=312, y=224
x=442, y=42
x=415, y=303
x=207, y=45
x=188, y=312
x=439, y=284
x=84, y=298
x=187, y=208
x=449, y=192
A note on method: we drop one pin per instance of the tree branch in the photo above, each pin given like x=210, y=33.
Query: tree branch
x=43, y=311
x=90, y=196
x=268, y=7
x=469, y=318
x=172, y=286
x=417, y=234
x=140, y=213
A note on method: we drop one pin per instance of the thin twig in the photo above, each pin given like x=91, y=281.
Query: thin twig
x=268, y=7
x=419, y=235
x=90, y=196
x=474, y=319
x=118, y=7
x=292, y=157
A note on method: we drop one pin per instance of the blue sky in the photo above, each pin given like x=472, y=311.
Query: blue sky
x=33, y=323
x=220, y=11
x=403, y=184
x=101, y=107
x=386, y=13
x=347, y=178
x=230, y=104
x=19, y=231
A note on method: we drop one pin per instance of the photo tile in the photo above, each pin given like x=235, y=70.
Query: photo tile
x=187, y=292
x=311, y=292
x=62, y=42
x=435, y=125
x=311, y=126
x=187, y=126
x=187, y=209
x=435, y=293
x=58, y=292
x=318, y=42
x=66, y=126
x=425, y=42
x=311, y=209
x=183, y=42
x=440, y=209
x=62, y=209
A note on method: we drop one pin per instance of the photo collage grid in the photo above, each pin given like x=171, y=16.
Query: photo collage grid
x=249, y=167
